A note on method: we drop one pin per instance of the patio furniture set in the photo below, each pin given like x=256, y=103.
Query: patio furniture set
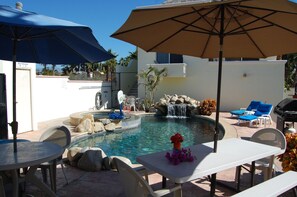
x=257, y=112
x=30, y=156
x=260, y=151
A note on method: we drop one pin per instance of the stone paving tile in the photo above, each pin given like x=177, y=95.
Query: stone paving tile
x=107, y=183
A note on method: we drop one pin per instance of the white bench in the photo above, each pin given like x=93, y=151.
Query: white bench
x=272, y=187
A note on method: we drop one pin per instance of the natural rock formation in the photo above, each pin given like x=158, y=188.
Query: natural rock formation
x=176, y=101
x=92, y=159
x=88, y=125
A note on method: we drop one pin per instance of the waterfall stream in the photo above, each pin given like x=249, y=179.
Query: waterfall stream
x=176, y=111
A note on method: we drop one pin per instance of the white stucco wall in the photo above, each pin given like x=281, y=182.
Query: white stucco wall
x=52, y=97
x=264, y=81
x=58, y=97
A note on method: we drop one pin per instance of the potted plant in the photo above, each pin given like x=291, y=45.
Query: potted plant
x=289, y=158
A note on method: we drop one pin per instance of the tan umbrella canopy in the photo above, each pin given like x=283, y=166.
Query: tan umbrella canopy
x=215, y=29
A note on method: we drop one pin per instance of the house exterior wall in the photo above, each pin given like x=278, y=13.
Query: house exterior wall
x=242, y=81
x=54, y=97
x=127, y=76
x=58, y=97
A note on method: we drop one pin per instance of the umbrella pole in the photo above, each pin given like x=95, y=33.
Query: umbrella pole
x=214, y=176
x=219, y=80
x=14, y=123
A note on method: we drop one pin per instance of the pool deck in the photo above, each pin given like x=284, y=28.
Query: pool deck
x=107, y=184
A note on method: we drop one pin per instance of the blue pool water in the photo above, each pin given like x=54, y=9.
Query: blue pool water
x=152, y=136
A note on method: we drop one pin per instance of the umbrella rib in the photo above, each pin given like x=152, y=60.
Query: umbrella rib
x=257, y=19
x=203, y=17
x=274, y=24
x=248, y=35
x=205, y=31
x=232, y=13
x=267, y=9
x=209, y=36
x=150, y=24
x=182, y=29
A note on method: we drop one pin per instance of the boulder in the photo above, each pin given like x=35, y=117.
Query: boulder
x=85, y=126
x=91, y=161
x=98, y=127
x=88, y=116
x=110, y=127
x=178, y=100
x=105, y=121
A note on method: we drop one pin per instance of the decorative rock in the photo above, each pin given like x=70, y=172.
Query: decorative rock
x=105, y=121
x=163, y=101
x=84, y=149
x=88, y=116
x=173, y=99
x=72, y=152
x=91, y=161
x=98, y=127
x=180, y=100
x=118, y=124
x=110, y=127
x=85, y=126
x=162, y=105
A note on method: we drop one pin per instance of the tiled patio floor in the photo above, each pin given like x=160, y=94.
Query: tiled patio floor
x=107, y=184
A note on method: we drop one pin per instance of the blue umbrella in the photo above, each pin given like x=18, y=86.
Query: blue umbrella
x=30, y=37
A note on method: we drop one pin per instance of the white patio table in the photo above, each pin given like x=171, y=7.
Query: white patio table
x=29, y=154
x=230, y=153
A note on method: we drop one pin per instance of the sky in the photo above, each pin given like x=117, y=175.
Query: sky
x=104, y=17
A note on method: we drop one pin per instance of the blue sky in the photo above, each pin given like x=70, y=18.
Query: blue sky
x=103, y=16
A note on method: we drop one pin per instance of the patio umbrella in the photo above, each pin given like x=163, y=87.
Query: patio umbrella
x=214, y=29
x=30, y=37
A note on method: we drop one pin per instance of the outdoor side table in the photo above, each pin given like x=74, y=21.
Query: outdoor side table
x=29, y=154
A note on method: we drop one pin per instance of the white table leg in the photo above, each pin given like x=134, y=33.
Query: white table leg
x=270, y=168
x=31, y=177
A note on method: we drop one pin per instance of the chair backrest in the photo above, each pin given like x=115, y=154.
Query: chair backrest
x=253, y=105
x=59, y=135
x=134, y=184
x=264, y=109
x=130, y=100
x=270, y=136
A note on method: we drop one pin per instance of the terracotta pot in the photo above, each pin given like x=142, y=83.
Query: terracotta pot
x=177, y=146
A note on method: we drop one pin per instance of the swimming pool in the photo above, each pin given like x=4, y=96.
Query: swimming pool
x=152, y=136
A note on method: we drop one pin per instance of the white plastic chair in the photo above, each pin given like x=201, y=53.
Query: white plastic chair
x=268, y=136
x=136, y=186
x=130, y=102
x=59, y=135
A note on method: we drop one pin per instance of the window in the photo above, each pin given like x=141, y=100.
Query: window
x=164, y=58
x=242, y=59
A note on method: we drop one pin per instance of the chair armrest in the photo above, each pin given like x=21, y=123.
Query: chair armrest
x=163, y=192
x=142, y=171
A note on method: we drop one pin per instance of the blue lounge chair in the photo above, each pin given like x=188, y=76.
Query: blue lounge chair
x=262, y=113
x=251, y=108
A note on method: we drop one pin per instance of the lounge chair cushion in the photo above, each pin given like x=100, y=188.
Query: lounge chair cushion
x=248, y=117
x=238, y=112
x=253, y=105
x=264, y=108
x=258, y=113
